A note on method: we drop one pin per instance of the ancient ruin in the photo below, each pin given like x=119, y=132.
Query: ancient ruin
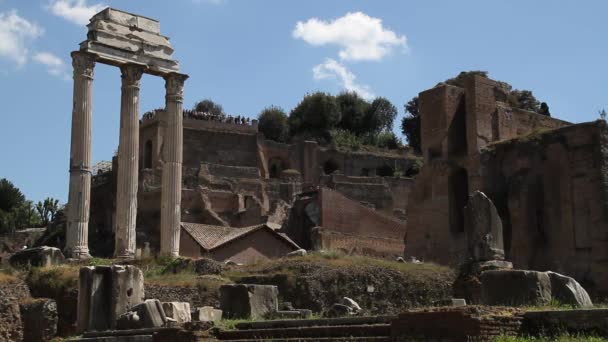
x=200, y=220
x=134, y=44
x=545, y=177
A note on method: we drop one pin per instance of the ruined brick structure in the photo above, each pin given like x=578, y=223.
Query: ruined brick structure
x=233, y=177
x=546, y=177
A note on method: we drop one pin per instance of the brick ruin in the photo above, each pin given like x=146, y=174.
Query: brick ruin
x=234, y=177
x=546, y=177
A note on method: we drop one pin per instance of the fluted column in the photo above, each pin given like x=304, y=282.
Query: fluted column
x=79, y=195
x=128, y=152
x=171, y=197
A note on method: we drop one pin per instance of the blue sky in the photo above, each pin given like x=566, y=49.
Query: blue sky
x=248, y=54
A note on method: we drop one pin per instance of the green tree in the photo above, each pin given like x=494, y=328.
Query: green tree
x=10, y=196
x=388, y=140
x=314, y=116
x=544, y=109
x=208, y=106
x=47, y=210
x=380, y=116
x=272, y=122
x=410, y=125
x=524, y=99
x=459, y=80
x=353, y=110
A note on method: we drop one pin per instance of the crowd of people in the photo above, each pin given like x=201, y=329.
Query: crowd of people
x=239, y=120
x=194, y=115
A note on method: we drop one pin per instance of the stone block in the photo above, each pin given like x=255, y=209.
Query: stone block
x=566, y=290
x=207, y=314
x=515, y=287
x=150, y=314
x=39, y=318
x=179, y=311
x=39, y=257
x=10, y=320
x=458, y=302
x=483, y=229
x=105, y=293
x=248, y=301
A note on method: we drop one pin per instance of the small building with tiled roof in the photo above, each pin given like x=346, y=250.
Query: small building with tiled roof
x=246, y=245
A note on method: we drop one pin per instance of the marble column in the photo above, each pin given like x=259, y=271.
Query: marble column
x=128, y=165
x=79, y=195
x=171, y=197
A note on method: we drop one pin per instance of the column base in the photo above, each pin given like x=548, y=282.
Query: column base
x=125, y=256
x=79, y=254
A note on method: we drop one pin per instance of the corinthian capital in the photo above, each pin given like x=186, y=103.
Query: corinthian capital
x=131, y=74
x=174, y=84
x=83, y=64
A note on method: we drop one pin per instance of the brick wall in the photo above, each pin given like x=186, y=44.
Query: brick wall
x=342, y=214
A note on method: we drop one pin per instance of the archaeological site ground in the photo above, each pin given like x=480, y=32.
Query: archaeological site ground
x=211, y=227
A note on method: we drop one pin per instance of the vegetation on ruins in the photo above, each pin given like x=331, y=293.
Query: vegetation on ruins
x=208, y=106
x=16, y=212
x=272, y=122
x=410, y=124
x=345, y=120
x=315, y=116
x=521, y=99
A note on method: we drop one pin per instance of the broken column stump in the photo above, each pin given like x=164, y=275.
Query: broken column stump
x=248, y=301
x=105, y=293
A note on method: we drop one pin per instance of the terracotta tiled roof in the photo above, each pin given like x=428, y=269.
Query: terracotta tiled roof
x=210, y=237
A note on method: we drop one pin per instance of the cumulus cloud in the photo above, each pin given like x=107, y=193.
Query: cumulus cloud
x=15, y=33
x=332, y=69
x=361, y=37
x=55, y=65
x=75, y=11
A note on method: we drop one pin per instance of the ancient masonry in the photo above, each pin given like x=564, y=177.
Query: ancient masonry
x=134, y=44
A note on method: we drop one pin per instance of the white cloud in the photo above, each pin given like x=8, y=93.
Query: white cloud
x=55, y=65
x=15, y=33
x=75, y=11
x=361, y=37
x=332, y=69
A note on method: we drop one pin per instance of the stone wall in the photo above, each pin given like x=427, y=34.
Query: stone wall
x=546, y=178
x=550, y=191
x=219, y=147
x=342, y=214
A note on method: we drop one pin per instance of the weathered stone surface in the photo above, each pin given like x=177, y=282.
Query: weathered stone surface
x=568, y=291
x=179, y=311
x=515, y=287
x=207, y=314
x=207, y=266
x=149, y=314
x=248, y=301
x=338, y=310
x=39, y=319
x=10, y=320
x=39, y=257
x=107, y=292
x=483, y=229
x=299, y=252
x=354, y=306
x=482, y=266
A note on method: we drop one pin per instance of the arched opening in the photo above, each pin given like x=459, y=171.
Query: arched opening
x=385, y=171
x=148, y=155
x=458, y=185
x=276, y=166
x=330, y=166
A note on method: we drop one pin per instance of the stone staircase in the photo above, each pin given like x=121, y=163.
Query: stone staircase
x=337, y=329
